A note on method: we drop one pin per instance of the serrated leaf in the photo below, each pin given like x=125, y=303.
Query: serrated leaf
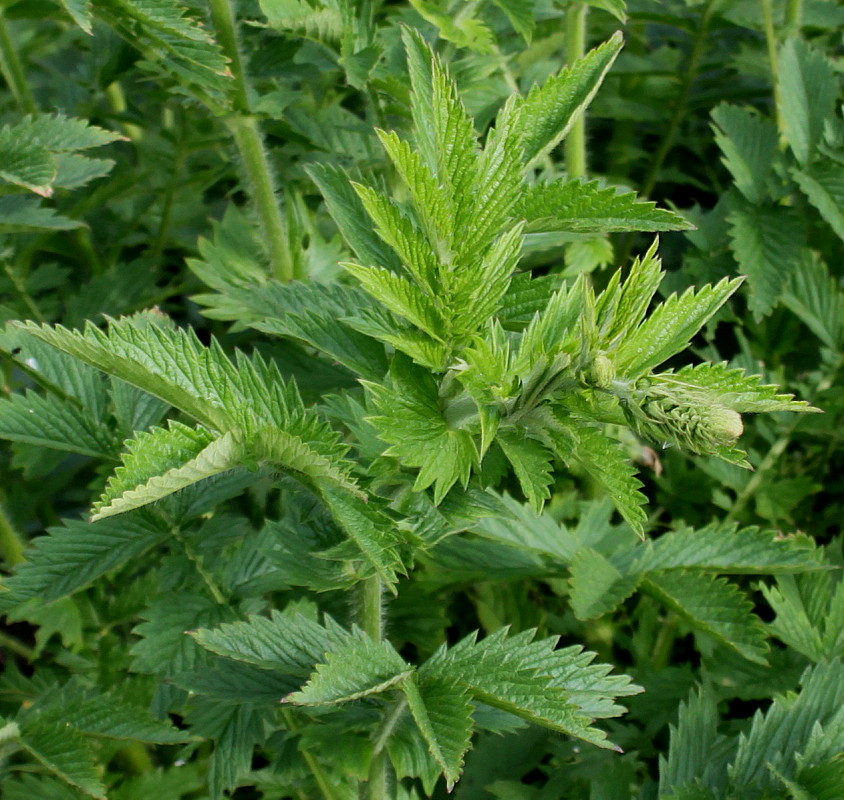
x=588, y=207
x=529, y=679
x=521, y=14
x=164, y=648
x=785, y=728
x=442, y=711
x=55, y=423
x=106, y=715
x=547, y=113
x=60, y=134
x=64, y=751
x=609, y=466
x=401, y=297
x=72, y=556
x=823, y=183
x=816, y=297
x=26, y=162
x=767, y=244
x=748, y=145
x=411, y=422
x=713, y=606
x=732, y=387
x=809, y=90
x=532, y=463
x=695, y=745
x=670, y=328
x=375, y=536
x=27, y=215
x=597, y=587
x=80, y=11
x=286, y=641
x=348, y=213
x=728, y=549
x=178, y=42
x=359, y=668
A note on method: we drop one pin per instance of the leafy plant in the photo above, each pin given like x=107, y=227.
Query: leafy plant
x=306, y=548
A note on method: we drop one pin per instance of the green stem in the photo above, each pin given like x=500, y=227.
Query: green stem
x=681, y=102
x=135, y=759
x=11, y=546
x=250, y=144
x=325, y=787
x=10, y=66
x=793, y=14
x=11, y=644
x=664, y=642
x=575, y=144
x=771, y=41
x=372, y=622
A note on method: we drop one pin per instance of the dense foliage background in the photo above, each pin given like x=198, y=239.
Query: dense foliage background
x=727, y=112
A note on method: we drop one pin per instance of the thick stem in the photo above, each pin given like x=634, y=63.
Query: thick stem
x=10, y=66
x=575, y=145
x=250, y=144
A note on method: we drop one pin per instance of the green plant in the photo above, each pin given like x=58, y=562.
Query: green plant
x=398, y=496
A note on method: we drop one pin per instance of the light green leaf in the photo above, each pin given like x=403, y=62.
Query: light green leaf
x=162, y=462
x=411, y=422
x=64, y=751
x=359, y=668
x=749, y=147
x=532, y=680
x=532, y=463
x=522, y=16
x=59, y=133
x=670, y=328
x=732, y=387
x=176, y=41
x=589, y=207
x=546, y=114
x=608, y=465
x=72, y=556
x=767, y=243
x=713, y=606
x=442, y=711
x=287, y=641
x=401, y=297
x=809, y=91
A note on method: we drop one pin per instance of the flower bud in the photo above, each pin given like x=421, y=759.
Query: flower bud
x=602, y=372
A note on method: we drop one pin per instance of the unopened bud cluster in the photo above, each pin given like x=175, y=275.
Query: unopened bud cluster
x=704, y=427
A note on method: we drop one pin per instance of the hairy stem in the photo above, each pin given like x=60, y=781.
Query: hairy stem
x=575, y=144
x=372, y=622
x=771, y=41
x=10, y=66
x=250, y=144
